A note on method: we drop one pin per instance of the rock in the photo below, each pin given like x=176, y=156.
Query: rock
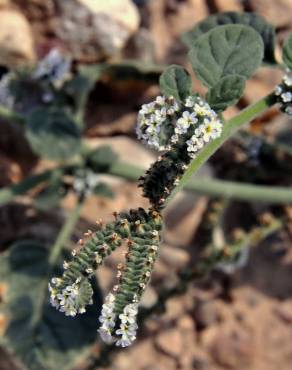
x=228, y=5
x=284, y=312
x=206, y=314
x=170, y=342
x=93, y=30
x=233, y=349
x=16, y=41
x=174, y=257
x=278, y=12
x=149, y=298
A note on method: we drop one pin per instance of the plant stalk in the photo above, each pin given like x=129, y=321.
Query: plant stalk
x=65, y=232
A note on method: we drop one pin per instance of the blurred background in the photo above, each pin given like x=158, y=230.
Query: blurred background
x=240, y=316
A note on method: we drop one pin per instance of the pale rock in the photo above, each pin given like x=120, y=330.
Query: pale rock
x=16, y=40
x=93, y=30
x=228, y=5
x=149, y=298
x=276, y=12
x=170, y=342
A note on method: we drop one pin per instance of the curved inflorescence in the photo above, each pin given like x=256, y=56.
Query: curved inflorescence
x=179, y=130
x=72, y=292
x=283, y=93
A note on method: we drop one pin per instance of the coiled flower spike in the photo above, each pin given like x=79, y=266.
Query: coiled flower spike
x=195, y=124
x=72, y=292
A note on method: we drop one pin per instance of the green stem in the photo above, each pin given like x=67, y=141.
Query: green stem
x=230, y=127
x=65, y=233
x=210, y=187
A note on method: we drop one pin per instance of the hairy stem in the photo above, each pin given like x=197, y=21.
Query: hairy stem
x=210, y=187
x=230, y=127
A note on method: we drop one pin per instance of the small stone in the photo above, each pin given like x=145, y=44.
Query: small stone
x=284, y=312
x=149, y=298
x=170, y=342
x=16, y=40
x=206, y=314
x=174, y=257
x=233, y=349
x=94, y=29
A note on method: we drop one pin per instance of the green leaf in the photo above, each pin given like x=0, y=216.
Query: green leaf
x=258, y=23
x=103, y=190
x=41, y=337
x=287, y=52
x=53, y=134
x=175, y=81
x=224, y=51
x=101, y=158
x=227, y=92
x=51, y=195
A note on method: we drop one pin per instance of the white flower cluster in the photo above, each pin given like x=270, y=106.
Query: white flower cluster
x=68, y=300
x=152, y=116
x=55, y=67
x=284, y=94
x=108, y=319
x=6, y=99
x=85, y=184
x=126, y=333
x=203, y=118
x=195, y=113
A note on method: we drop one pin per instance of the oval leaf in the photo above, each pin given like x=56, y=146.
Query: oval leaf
x=53, y=134
x=175, y=81
x=224, y=51
x=227, y=92
x=287, y=52
x=258, y=23
x=39, y=335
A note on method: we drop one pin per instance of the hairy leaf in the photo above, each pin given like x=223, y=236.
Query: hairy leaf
x=41, y=337
x=227, y=92
x=287, y=52
x=101, y=159
x=103, y=190
x=258, y=23
x=175, y=81
x=224, y=51
x=53, y=134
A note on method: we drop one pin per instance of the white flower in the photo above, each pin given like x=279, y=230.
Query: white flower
x=286, y=97
x=54, y=66
x=184, y=122
x=278, y=90
x=160, y=100
x=68, y=300
x=106, y=334
x=288, y=110
x=124, y=342
x=6, y=97
x=190, y=101
x=287, y=80
x=211, y=129
x=202, y=109
x=194, y=144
